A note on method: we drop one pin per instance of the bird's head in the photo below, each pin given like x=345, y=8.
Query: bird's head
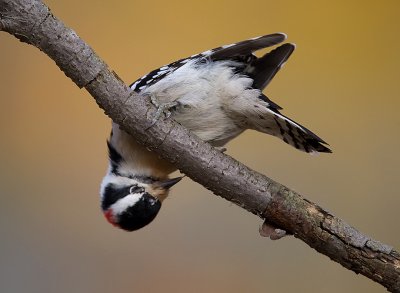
x=132, y=203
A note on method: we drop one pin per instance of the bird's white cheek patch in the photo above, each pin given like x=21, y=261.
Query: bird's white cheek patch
x=124, y=203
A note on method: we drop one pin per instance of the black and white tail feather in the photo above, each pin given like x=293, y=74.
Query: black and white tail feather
x=216, y=95
x=221, y=89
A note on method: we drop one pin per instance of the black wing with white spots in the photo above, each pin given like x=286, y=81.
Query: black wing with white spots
x=241, y=51
x=158, y=74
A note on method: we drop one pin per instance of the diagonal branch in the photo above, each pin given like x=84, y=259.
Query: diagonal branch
x=32, y=22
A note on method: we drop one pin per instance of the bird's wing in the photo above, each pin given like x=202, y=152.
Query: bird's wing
x=242, y=51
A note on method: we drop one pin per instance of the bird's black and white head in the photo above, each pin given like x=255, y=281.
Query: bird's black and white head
x=131, y=195
x=132, y=203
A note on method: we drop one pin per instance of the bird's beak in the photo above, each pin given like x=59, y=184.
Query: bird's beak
x=169, y=182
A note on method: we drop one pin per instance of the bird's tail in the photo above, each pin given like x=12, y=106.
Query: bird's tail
x=294, y=134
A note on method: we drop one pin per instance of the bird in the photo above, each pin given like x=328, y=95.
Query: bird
x=216, y=95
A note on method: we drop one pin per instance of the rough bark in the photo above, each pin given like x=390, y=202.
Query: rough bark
x=32, y=22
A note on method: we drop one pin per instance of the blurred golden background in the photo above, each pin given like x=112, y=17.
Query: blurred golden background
x=342, y=82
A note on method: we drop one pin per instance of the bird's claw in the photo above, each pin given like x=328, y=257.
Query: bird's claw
x=162, y=108
x=271, y=231
x=221, y=149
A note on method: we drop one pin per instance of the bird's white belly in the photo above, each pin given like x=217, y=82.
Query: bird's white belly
x=203, y=93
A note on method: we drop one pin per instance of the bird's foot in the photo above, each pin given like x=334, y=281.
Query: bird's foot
x=269, y=230
x=221, y=149
x=162, y=108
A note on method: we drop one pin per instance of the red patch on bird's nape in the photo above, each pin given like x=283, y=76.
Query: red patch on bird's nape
x=110, y=217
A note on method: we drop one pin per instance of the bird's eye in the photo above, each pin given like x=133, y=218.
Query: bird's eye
x=136, y=189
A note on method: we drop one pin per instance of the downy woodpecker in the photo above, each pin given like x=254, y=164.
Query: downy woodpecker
x=217, y=95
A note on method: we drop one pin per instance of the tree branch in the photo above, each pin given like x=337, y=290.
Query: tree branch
x=32, y=22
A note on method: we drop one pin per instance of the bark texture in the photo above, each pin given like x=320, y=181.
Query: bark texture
x=32, y=22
